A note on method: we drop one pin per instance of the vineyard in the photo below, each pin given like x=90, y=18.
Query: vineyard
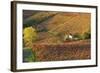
x=56, y=36
x=65, y=51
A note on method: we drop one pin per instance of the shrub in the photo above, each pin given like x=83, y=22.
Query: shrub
x=87, y=35
x=78, y=36
x=29, y=55
x=30, y=35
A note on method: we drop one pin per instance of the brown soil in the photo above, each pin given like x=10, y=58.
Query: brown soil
x=72, y=50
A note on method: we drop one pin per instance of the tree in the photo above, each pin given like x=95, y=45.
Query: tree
x=87, y=35
x=30, y=35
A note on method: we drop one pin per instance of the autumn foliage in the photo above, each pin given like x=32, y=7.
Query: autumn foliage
x=74, y=50
x=30, y=35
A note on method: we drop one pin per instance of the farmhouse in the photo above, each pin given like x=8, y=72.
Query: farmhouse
x=68, y=37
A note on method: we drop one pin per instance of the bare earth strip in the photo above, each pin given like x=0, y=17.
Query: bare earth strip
x=73, y=50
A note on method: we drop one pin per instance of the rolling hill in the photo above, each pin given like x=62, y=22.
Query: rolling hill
x=51, y=25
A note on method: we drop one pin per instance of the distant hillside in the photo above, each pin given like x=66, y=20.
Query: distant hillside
x=28, y=13
x=37, y=17
x=69, y=23
x=52, y=24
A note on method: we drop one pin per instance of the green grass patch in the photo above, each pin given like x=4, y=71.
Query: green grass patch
x=29, y=55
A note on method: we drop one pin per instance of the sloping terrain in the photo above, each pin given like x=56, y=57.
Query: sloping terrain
x=52, y=26
x=37, y=17
x=75, y=50
x=68, y=23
